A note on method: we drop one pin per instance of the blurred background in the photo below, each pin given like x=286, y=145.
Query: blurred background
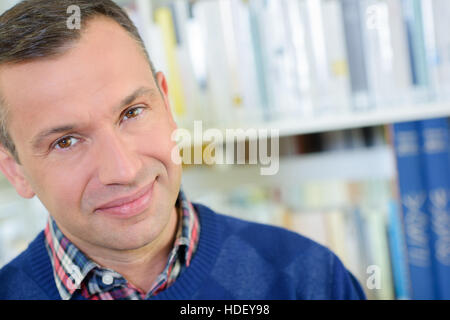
x=360, y=93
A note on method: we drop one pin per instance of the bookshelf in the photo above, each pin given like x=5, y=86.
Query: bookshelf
x=355, y=164
x=383, y=88
x=368, y=118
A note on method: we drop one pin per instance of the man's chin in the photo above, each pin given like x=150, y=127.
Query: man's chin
x=130, y=244
x=137, y=232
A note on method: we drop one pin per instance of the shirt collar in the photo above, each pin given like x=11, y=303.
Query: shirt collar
x=71, y=266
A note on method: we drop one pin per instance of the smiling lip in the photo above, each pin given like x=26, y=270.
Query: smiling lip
x=129, y=206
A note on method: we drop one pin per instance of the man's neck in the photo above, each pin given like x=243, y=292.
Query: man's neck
x=141, y=266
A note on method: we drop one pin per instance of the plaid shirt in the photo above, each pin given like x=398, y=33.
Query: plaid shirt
x=75, y=273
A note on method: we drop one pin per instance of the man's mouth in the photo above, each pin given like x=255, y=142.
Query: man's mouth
x=130, y=205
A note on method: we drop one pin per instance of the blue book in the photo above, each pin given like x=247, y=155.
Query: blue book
x=416, y=220
x=412, y=14
x=435, y=148
x=397, y=247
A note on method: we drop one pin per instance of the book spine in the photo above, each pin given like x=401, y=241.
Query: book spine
x=164, y=18
x=413, y=17
x=435, y=147
x=398, y=253
x=440, y=56
x=231, y=59
x=297, y=26
x=279, y=59
x=246, y=69
x=374, y=210
x=413, y=199
x=141, y=13
x=386, y=60
x=189, y=70
x=354, y=41
x=317, y=53
x=335, y=223
x=266, y=38
x=399, y=42
x=375, y=230
x=337, y=61
x=220, y=100
x=260, y=56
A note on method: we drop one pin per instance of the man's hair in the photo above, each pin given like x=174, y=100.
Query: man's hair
x=36, y=29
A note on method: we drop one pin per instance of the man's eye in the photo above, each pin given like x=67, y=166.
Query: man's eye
x=133, y=113
x=66, y=142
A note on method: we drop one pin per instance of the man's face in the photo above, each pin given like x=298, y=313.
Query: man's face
x=93, y=136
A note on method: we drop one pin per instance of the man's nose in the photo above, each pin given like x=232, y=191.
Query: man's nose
x=117, y=162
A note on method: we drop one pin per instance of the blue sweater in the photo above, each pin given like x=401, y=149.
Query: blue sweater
x=235, y=259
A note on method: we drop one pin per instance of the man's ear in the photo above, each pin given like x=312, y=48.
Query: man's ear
x=14, y=173
x=161, y=82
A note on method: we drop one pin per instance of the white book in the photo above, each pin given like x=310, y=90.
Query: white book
x=375, y=209
x=342, y=227
x=278, y=59
x=354, y=248
x=319, y=59
x=310, y=224
x=310, y=219
x=399, y=42
x=338, y=88
x=231, y=54
x=327, y=56
x=335, y=221
x=385, y=41
x=246, y=66
x=377, y=234
x=436, y=15
x=220, y=101
x=311, y=11
x=302, y=70
x=141, y=13
x=191, y=57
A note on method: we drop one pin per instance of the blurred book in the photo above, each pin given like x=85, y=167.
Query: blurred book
x=385, y=41
x=416, y=219
x=354, y=39
x=423, y=161
x=164, y=18
x=435, y=153
x=437, y=42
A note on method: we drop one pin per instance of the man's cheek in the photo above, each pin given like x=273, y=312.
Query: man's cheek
x=156, y=143
x=63, y=193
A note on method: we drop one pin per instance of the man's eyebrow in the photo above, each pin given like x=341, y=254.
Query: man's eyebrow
x=142, y=91
x=36, y=141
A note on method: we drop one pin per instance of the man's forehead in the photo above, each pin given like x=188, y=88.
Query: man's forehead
x=102, y=49
x=103, y=67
